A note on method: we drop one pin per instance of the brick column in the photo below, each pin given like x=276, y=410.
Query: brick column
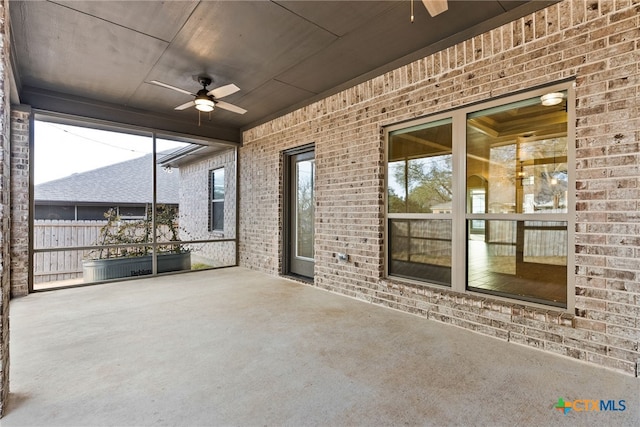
x=4, y=203
x=20, y=178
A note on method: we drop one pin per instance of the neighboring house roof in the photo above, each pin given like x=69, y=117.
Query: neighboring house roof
x=125, y=182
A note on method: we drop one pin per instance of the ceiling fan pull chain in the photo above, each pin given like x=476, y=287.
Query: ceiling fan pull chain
x=412, y=11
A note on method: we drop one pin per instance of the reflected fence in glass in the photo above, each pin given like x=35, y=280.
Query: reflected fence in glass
x=421, y=249
x=525, y=260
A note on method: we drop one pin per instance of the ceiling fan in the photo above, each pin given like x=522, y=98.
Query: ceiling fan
x=205, y=100
x=434, y=7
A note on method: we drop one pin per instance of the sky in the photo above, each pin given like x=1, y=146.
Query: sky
x=61, y=150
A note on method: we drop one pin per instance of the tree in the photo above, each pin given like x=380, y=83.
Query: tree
x=427, y=182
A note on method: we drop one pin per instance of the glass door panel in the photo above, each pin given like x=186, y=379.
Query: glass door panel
x=302, y=214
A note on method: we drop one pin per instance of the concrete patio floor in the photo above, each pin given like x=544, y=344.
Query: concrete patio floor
x=237, y=347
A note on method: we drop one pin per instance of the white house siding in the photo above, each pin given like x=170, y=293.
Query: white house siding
x=194, y=208
x=595, y=42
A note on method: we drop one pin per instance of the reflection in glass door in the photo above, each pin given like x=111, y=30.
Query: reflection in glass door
x=301, y=214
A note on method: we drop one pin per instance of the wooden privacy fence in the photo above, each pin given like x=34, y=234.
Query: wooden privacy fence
x=62, y=265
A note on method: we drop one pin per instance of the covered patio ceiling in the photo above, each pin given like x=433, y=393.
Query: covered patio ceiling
x=96, y=59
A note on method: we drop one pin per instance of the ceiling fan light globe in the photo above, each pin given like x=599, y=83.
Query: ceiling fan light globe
x=204, y=105
x=204, y=108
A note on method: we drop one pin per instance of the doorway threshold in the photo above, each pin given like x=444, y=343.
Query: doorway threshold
x=299, y=278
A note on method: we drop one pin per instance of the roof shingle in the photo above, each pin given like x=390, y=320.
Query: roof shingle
x=125, y=182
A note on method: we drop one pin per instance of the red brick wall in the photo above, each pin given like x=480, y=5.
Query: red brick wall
x=595, y=42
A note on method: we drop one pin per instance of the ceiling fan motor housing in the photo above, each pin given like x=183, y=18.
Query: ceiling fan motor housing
x=202, y=94
x=203, y=101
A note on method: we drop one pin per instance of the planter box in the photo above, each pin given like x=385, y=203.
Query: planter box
x=96, y=270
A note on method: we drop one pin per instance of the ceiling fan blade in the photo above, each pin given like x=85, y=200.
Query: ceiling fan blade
x=185, y=105
x=230, y=107
x=155, y=82
x=435, y=7
x=222, y=91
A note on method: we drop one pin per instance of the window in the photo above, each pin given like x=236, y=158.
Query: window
x=132, y=212
x=216, y=213
x=54, y=212
x=519, y=150
x=95, y=213
x=478, y=200
x=304, y=208
x=419, y=198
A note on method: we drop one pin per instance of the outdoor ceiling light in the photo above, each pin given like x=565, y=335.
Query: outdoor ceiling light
x=204, y=104
x=553, y=98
